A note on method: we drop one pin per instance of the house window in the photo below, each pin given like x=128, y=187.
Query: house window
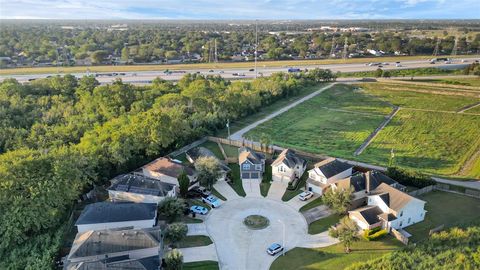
x=401, y=222
x=401, y=213
x=258, y=167
x=246, y=166
x=409, y=220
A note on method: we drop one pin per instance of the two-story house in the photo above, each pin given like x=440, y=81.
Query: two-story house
x=389, y=208
x=325, y=173
x=288, y=166
x=362, y=184
x=252, y=164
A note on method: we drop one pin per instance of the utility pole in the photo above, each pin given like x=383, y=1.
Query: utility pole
x=216, y=58
x=332, y=50
x=437, y=47
x=228, y=127
x=345, y=49
x=256, y=47
x=455, y=45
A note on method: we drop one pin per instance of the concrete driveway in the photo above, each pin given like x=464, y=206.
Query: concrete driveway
x=316, y=213
x=251, y=187
x=196, y=254
x=226, y=190
x=240, y=248
x=277, y=189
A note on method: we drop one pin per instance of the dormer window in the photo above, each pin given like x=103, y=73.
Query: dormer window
x=246, y=166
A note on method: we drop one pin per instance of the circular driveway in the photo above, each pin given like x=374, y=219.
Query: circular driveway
x=240, y=248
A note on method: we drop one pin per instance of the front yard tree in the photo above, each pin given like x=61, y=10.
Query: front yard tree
x=174, y=260
x=346, y=232
x=338, y=200
x=208, y=169
x=176, y=232
x=171, y=208
x=183, y=184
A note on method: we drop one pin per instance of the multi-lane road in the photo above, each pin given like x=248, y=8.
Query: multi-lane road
x=145, y=77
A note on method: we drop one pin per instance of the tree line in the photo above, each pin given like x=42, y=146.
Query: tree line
x=60, y=135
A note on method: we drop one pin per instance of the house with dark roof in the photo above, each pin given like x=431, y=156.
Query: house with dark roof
x=362, y=184
x=126, y=248
x=326, y=172
x=288, y=166
x=195, y=153
x=389, y=208
x=252, y=164
x=135, y=187
x=167, y=170
x=108, y=215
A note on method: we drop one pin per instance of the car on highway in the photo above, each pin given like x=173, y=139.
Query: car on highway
x=211, y=70
x=252, y=69
x=197, y=209
x=211, y=200
x=221, y=72
x=398, y=65
x=448, y=62
x=274, y=249
x=305, y=195
x=235, y=74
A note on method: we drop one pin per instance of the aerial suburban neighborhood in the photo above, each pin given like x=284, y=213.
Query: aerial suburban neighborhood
x=239, y=135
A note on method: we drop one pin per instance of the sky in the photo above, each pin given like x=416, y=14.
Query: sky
x=239, y=9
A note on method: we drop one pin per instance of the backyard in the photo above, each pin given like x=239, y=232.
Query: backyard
x=447, y=209
x=334, y=257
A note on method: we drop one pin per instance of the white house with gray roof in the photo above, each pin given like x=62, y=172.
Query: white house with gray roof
x=108, y=215
x=325, y=173
x=288, y=166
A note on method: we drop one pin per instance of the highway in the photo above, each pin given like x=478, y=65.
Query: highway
x=145, y=77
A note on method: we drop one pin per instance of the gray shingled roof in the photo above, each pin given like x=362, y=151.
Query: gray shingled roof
x=101, y=242
x=105, y=212
x=332, y=166
x=370, y=214
x=198, y=152
x=136, y=183
x=250, y=155
x=289, y=158
x=119, y=263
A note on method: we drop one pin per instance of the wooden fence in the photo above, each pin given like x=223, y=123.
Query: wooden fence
x=402, y=238
x=458, y=190
x=187, y=147
x=421, y=191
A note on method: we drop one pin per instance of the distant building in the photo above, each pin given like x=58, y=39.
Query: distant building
x=168, y=170
x=325, y=173
x=108, y=215
x=288, y=166
x=140, y=189
x=139, y=249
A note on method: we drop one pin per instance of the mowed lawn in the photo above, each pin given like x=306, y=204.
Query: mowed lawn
x=445, y=208
x=334, y=257
x=335, y=122
x=438, y=143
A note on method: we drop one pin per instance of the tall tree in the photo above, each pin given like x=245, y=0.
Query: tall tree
x=208, y=171
x=338, y=200
x=346, y=232
x=183, y=184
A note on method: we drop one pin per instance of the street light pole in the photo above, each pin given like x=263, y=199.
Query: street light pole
x=283, y=240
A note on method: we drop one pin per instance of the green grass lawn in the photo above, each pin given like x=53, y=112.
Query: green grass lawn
x=183, y=158
x=230, y=151
x=218, y=195
x=445, y=208
x=313, y=128
x=408, y=98
x=202, y=265
x=266, y=110
x=316, y=202
x=437, y=143
x=333, y=257
x=266, y=180
x=323, y=224
x=236, y=183
x=290, y=194
x=213, y=146
x=194, y=241
x=454, y=81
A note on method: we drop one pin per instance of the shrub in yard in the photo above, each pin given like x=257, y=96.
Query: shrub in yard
x=410, y=178
x=374, y=234
x=174, y=260
x=176, y=232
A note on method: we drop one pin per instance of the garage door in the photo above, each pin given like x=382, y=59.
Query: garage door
x=254, y=175
x=246, y=175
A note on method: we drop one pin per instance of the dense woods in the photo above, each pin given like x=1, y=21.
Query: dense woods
x=60, y=135
x=454, y=249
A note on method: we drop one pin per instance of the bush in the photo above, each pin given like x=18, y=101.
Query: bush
x=374, y=234
x=410, y=178
x=176, y=232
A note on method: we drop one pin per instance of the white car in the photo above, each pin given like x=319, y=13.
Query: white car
x=305, y=195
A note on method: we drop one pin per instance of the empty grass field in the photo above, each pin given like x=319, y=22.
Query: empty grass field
x=447, y=209
x=335, y=122
x=454, y=81
x=334, y=257
x=426, y=134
